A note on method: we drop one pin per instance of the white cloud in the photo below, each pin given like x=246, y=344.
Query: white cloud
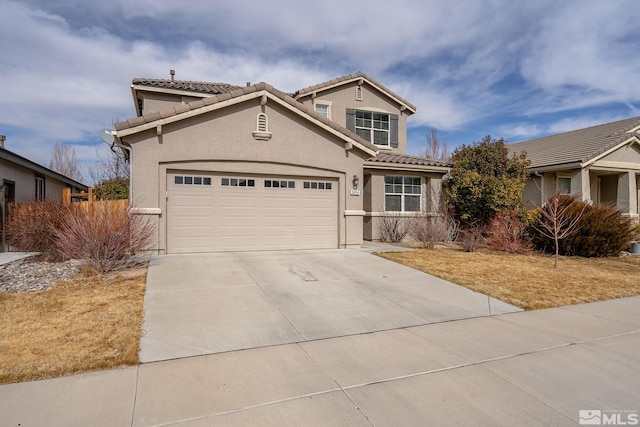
x=520, y=131
x=66, y=67
x=587, y=53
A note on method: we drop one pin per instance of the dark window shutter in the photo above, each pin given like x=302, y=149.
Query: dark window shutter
x=393, y=130
x=351, y=119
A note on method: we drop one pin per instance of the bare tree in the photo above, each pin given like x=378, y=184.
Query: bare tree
x=436, y=148
x=65, y=162
x=109, y=166
x=555, y=222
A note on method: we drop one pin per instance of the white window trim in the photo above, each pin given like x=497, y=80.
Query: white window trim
x=558, y=177
x=372, y=129
x=328, y=104
x=40, y=188
x=403, y=194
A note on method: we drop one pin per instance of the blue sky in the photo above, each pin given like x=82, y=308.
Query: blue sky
x=512, y=69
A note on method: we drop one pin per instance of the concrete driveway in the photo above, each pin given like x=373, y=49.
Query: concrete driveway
x=214, y=303
x=558, y=366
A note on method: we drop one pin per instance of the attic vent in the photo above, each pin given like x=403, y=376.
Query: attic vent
x=262, y=128
x=263, y=123
x=358, y=93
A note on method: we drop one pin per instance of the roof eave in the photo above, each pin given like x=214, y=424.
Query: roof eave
x=407, y=106
x=632, y=140
x=182, y=92
x=236, y=100
x=405, y=167
x=26, y=163
x=556, y=167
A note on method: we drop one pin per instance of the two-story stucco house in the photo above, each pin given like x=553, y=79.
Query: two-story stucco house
x=219, y=167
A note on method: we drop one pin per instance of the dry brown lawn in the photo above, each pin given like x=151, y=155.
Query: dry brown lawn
x=78, y=325
x=529, y=281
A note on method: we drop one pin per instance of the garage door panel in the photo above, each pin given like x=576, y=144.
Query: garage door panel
x=223, y=217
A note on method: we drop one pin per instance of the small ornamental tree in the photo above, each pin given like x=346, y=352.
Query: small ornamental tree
x=558, y=219
x=599, y=230
x=485, y=180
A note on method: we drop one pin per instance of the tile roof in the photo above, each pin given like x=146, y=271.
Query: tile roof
x=187, y=85
x=402, y=159
x=359, y=75
x=578, y=146
x=235, y=93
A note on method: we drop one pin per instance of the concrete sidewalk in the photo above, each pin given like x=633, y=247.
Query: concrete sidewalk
x=7, y=257
x=527, y=368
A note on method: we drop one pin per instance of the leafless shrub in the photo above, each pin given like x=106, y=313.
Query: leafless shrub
x=392, y=228
x=104, y=235
x=429, y=230
x=472, y=238
x=31, y=227
x=452, y=230
x=507, y=234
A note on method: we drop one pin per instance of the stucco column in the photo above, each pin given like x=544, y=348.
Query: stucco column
x=434, y=195
x=581, y=184
x=628, y=194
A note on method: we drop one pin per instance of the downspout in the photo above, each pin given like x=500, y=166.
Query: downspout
x=542, y=199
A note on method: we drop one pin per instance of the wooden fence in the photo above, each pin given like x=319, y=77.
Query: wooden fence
x=88, y=199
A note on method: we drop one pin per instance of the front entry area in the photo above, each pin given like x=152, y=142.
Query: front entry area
x=209, y=212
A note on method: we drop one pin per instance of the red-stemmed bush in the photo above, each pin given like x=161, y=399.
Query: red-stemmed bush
x=508, y=234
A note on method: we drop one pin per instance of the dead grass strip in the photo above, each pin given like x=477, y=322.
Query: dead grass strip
x=79, y=325
x=529, y=281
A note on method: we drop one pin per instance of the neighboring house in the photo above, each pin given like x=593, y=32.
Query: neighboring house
x=22, y=180
x=599, y=164
x=219, y=167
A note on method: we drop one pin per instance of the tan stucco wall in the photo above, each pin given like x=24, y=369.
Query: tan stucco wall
x=158, y=101
x=25, y=182
x=592, y=186
x=532, y=192
x=222, y=141
x=344, y=97
x=629, y=154
x=375, y=193
x=608, y=188
x=153, y=101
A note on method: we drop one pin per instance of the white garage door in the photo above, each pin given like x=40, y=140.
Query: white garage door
x=209, y=213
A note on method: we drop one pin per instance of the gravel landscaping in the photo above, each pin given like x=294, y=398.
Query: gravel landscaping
x=30, y=275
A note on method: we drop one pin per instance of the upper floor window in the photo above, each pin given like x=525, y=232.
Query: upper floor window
x=402, y=194
x=323, y=108
x=378, y=128
x=374, y=127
